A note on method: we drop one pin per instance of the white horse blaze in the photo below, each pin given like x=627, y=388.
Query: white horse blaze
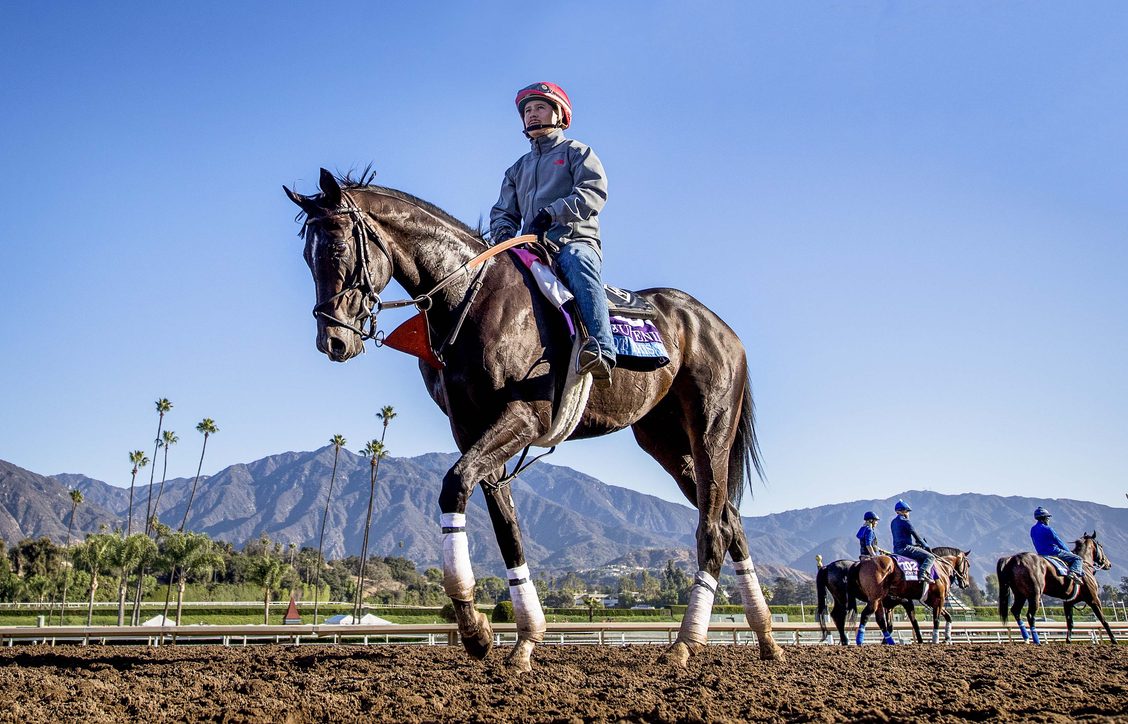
x=695, y=625
x=458, y=575
x=526, y=604
x=755, y=607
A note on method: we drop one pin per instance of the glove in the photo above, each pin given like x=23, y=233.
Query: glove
x=540, y=222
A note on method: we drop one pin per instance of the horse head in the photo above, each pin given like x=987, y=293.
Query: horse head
x=1090, y=549
x=350, y=264
x=961, y=568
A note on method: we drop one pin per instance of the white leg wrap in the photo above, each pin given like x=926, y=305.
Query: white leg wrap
x=526, y=604
x=458, y=576
x=755, y=607
x=695, y=625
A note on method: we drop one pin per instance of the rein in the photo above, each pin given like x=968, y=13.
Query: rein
x=365, y=324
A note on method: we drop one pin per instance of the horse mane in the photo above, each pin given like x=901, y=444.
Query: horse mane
x=364, y=183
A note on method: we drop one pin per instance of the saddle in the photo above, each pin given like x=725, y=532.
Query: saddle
x=1058, y=564
x=638, y=343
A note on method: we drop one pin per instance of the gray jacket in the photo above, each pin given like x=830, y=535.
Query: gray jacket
x=561, y=175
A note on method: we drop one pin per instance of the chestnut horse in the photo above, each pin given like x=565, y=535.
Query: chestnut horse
x=880, y=578
x=502, y=360
x=1029, y=575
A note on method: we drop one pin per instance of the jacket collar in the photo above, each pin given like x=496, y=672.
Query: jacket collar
x=547, y=141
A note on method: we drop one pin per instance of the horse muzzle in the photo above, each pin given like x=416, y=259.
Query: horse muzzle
x=337, y=343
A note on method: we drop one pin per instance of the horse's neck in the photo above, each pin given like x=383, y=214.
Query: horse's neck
x=427, y=249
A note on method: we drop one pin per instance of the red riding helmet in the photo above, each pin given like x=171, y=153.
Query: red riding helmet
x=551, y=93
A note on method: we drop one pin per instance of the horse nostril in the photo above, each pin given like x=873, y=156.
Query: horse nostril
x=337, y=347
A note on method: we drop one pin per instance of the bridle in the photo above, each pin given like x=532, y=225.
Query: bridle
x=371, y=303
x=365, y=323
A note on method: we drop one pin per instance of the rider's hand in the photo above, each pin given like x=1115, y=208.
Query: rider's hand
x=540, y=222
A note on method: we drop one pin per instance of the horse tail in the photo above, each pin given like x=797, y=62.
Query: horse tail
x=1004, y=588
x=745, y=455
x=820, y=588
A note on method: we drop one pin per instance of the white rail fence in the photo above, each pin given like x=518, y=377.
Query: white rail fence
x=599, y=633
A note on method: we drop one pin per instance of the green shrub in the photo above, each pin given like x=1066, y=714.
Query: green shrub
x=447, y=613
x=503, y=612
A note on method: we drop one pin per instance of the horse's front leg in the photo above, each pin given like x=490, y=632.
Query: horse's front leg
x=527, y=609
x=484, y=458
x=1068, y=606
x=910, y=609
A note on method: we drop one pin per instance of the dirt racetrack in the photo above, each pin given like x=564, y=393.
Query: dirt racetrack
x=998, y=682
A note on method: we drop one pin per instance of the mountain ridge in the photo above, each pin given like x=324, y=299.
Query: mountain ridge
x=570, y=521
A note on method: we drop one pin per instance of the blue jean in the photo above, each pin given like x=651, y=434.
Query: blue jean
x=1071, y=559
x=923, y=558
x=581, y=267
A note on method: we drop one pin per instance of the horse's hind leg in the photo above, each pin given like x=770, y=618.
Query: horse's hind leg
x=910, y=609
x=659, y=433
x=527, y=609
x=756, y=609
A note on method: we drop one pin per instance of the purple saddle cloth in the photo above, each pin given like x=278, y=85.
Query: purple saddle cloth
x=909, y=568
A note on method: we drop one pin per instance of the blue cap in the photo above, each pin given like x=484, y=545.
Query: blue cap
x=901, y=505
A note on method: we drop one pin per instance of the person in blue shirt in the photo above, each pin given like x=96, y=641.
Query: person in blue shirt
x=904, y=537
x=867, y=536
x=1047, y=543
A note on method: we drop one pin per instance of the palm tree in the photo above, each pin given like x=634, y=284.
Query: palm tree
x=269, y=572
x=337, y=441
x=139, y=461
x=183, y=554
x=134, y=550
x=95, y=555
x=163, y=406
x=76, y=499
x=375, y=451
x=207, y=428
x=168, y=439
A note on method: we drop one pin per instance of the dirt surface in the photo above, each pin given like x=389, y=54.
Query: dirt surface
x=1000, y=682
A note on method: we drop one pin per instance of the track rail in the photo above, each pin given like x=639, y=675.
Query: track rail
x=607, y=633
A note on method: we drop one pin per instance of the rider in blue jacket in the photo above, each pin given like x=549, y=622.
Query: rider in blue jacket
x=558, y=189
x=867, y=536
x=904, y=536
x=1047, y=543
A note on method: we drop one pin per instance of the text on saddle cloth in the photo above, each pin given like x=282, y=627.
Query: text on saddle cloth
x=638, y=343
x=909, y=568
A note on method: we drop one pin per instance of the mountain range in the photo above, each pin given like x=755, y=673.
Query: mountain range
x=570, y=521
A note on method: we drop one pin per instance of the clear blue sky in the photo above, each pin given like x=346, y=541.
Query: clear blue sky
x=914, y=215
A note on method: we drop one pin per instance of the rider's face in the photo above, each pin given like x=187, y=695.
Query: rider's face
x=539, y=113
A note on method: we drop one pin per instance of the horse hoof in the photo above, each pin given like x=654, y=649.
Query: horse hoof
x=520, y=658
x=770, y=650
x=677, y=654
x=475, y=630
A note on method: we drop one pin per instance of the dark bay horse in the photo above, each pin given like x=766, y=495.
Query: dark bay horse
x=502, y=362
x=880, y=578
x=1029, y=575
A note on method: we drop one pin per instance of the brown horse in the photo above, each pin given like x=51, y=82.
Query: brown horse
x=1029, y=575
x=839, y=580
x=880, y=578
x=503, y=359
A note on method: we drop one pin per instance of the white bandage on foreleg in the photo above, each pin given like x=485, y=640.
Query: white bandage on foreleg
x=695, y=625
x=526, y=604
x=752, y=596
x=458, y=576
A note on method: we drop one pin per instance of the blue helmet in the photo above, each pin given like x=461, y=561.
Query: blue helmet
x=1040, y=513
x=870, y=515
x=901, y=506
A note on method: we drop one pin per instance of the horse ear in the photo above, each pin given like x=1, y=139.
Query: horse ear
x=967, y=554
x=331, y=189
x=307, y=204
